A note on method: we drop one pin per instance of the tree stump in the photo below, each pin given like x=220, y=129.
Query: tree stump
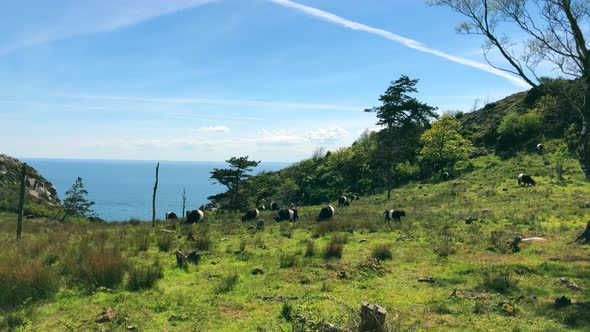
x=585, y=237
x=372, y=318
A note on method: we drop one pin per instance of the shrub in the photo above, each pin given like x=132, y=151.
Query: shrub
x=309, y=248
x=142, y=277
x=202, y=241
x=134, y=221
x=21, y=279
x=165, y=242
x=382, y=252
x=499, y=279
x=142, y=240
x=444, y=243
x=516, y=128
x=227, y=283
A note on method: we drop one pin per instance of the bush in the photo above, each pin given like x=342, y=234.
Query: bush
x=165, y=242
x=382, y=252
x=227, y=283
x=21, y=279
x=142, y=240
x=515, y=128
x=202, y=241
x=444, y=243
x=499, y=279
x=142, y=277
x=134, y=221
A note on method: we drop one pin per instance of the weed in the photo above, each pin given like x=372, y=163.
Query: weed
x=142, y=240
x=287, y=311
x=334, y=248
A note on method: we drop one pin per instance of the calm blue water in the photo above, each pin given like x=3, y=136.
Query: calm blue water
x=123, y=189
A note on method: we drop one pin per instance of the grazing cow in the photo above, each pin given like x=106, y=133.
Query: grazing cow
x=396, y=215
x=171, y=216
x=354, y=197
x=435, y=167
x=292, y=206
x=261, y=208
x=250, y=215
x=525, y=179
x=194, y=216
x=540, y=148
x=287, y=214
x=343, y=201
x=326, y=213
x=274, y=206
x=445, y=176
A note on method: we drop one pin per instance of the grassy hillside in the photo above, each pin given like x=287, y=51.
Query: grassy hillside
x=68, y=274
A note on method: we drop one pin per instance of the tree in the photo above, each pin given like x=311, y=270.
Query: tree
x=443, y=144
x=76, y=203
x=404, y=118
x=232, y=178
x=555, y=37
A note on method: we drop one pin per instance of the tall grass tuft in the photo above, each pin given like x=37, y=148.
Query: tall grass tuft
x=335, y=247
x=499, y=279
x=309, y=248
x=227, y=283
x=165, y=242
x=21, y=279
x=91, y=266
x=287, y=260
x=382, y=252
x=142, y=240
x=143, y=277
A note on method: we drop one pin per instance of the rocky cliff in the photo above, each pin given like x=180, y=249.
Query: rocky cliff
x=39, y=189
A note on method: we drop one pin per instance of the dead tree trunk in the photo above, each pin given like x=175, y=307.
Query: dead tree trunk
x=372, y=318
x=154, y=197
x=183, y=201
x=21, y=203
x=585, y=236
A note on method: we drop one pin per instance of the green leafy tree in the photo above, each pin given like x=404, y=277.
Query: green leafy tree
x=76, y=203
x=556, y=38
x=443, y=144
x=232, y=178
x=404, y=119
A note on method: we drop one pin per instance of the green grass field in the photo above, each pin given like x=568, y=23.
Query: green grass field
x=61, y=277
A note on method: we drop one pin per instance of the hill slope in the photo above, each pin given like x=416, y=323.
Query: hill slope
x=39, y=191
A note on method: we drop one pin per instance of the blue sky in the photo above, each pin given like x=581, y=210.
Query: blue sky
x=207, y=80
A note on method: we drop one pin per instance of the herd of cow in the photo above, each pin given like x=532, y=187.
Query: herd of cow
x=326, y=213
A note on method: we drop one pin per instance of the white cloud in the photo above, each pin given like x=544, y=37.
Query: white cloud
x=214, y=129
x=280, y=137
x=326, y=16
x=327, y=135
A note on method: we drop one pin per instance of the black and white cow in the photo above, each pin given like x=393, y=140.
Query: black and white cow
x=445, y=176
x=171, y=216
x=251, y=215
x=194, y=216
x=287, y=214
x=540, y=148
x=354, y=197
x=326, y=213
x=396, y=215
x=261, y=208
x=343, y=201
x=525, y=179
x=274, y=206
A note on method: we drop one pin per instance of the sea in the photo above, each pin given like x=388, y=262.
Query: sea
x=122, y=189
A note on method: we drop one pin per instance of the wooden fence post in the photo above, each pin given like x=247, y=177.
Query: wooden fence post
x=154, y=197
x=372, y=318
x=21, y=203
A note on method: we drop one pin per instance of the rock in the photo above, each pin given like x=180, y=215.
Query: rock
x=224, y=239
x=486, y=210
x=341, y=275
x=469, y=220
x=131, y=328
x=571, y=285
x=563, y=301
x=428, y=280
x=106, y=316
x=167, y=231
x=362, y=240
x=257, y=271
x=419, y=187
x=504, y=189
